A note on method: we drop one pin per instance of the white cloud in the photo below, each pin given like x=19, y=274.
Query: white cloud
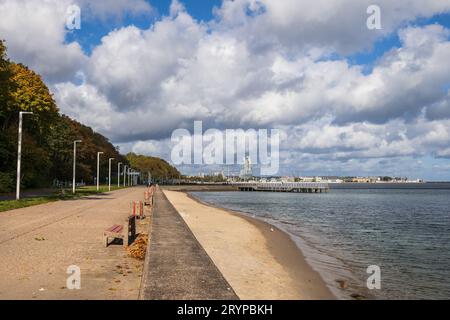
x=259, y=64
x=85, y=104
x=130, y=64
x=35, y=34
x=339, y=26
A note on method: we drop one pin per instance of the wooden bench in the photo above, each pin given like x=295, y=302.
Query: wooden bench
x=126, y=232
x=148, y=198
x=137, y=209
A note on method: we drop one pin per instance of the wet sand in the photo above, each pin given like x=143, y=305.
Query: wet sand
x=257, y=259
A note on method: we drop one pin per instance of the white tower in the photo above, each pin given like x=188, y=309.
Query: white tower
x=246, y=171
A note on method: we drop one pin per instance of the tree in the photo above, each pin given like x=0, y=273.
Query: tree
x=48, y=136
x=5, y=82
x=158, y=168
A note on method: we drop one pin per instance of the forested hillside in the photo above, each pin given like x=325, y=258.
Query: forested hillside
x=159, y=169
x=47, y=145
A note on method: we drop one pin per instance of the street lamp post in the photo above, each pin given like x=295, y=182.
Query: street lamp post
x=98, y=169
x=19, y=153
x=109, y=175
x=124, y=176
x=118, y=174
x=74, y=164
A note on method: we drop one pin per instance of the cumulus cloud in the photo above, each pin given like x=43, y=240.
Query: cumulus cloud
x=35, y=34
x=439, y=109
x=338, y=26
x=259, y=64
x=130, y=64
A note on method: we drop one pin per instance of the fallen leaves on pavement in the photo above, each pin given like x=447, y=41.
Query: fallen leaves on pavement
x=139, y=247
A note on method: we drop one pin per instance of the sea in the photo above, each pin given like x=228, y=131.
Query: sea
x=401, y=229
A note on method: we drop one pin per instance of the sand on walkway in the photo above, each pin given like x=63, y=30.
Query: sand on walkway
x=39, y=243
x=258, y=260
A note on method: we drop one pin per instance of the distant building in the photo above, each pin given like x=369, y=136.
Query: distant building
x=310, y=179
x=333, y=180
x=246, y=171
x=361, y=180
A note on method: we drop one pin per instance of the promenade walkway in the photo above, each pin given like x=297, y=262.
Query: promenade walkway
x=39, y=243
x=177, y=267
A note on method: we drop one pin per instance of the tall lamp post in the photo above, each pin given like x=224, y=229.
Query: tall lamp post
x=109, y=174
x=118, y=174
x=98, y=169
x=74, y=164
x=124, y=176
x=19, y=153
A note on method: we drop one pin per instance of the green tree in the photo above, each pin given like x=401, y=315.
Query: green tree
x=48, y=136
x=159, y=169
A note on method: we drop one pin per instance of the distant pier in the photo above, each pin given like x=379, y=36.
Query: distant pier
x=295, y=187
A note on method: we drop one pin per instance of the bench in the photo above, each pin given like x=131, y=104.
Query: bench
x=137, y=209
x=148, y=198
x=126, y=232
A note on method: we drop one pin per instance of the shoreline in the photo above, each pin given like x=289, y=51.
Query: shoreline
x=333, y=280
x=262, y=224
x=267, y=259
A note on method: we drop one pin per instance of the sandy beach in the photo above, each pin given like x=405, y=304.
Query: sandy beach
x=258, y=260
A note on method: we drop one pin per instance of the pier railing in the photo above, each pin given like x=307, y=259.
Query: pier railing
x=301, y=187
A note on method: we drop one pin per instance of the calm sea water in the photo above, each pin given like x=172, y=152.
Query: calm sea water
x=406, y=232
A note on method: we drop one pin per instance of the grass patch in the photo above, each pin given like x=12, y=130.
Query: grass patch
x=6, y=205
x=62, y=194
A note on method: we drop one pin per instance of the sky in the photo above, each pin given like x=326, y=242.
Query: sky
x=349, y=100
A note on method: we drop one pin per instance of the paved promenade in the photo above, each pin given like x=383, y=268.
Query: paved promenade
x=39, y=243
x=177, y=266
